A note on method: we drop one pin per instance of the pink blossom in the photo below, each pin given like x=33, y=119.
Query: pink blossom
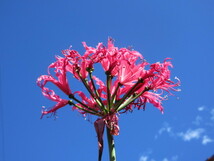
x=50, y=94
x=130, y=83
x=90, y=102
x=152, y=98
x=78, y=65
x=128, y=74
x=110, y=57
x=60, y=70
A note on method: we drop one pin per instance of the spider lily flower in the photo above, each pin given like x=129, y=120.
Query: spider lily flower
x=130, y=83
x=130, y=73
x=60, y=70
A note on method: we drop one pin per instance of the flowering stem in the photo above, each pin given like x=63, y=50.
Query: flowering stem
x=74, y=98
x=111, y=146
x=96, y=93
x=118, y=104
x=84, y=81
x=131, y=99
x=92, y=81
x=87, y=111
x=115, y=93
x=108, y=90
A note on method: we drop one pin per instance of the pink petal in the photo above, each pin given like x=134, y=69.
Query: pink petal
x=50, y=94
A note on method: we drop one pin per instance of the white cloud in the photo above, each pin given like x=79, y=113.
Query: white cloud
x=143, y=158
x=166, y=128
x=191, y=134
x=201, y=108
x=196, y=134
x=206, y=139
x=197, y=130
x=173, y=158
x=147, y=156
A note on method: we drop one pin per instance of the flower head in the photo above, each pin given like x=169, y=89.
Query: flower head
x=130, y=83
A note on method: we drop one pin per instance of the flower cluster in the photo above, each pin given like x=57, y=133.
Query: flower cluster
x=131, y=82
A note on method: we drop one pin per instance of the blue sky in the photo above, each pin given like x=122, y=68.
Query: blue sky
x=33, y=32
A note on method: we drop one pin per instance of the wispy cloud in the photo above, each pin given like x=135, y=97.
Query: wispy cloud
x=206, y=139
x=191, y=134
x=199, y=129
x=201, y=108
x=165, y=128
x=144, y=158
x=149, y=158
x=145, y=155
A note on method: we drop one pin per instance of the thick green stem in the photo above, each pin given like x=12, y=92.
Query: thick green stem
x=111, y=146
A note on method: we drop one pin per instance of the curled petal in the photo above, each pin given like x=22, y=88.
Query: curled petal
x=50, y=94
x=90, y=102
x=59, y=105
x=89, y=50
x=72, y=55
x=100, y=83
x=60, y=70
x=152, y=98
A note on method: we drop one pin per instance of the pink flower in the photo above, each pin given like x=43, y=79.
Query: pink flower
x=110, y=57
x=78, y=65
x=60, y=70
x=90, y=102
x=130, y=83
x=50, y=94
x=128, y=74
x=152, y=98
